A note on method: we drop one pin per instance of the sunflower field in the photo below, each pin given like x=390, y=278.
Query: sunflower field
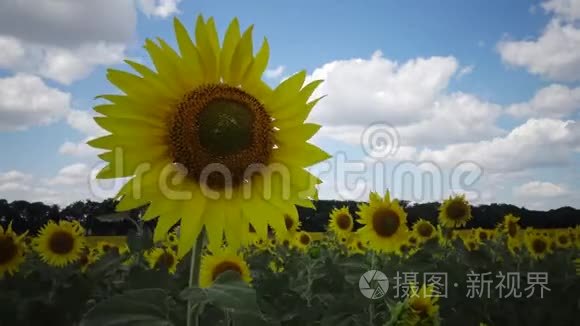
x=437, y=275
x=224, y=253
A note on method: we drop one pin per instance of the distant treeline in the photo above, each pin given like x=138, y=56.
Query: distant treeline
x=31, y=216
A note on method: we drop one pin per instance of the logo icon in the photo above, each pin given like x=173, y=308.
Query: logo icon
x=373, y=284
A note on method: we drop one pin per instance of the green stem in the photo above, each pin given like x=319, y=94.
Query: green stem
x=194, y=276
x=372, y=303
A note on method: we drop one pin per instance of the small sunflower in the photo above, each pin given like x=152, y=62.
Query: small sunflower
x=356, y=246
x=212, y=266
x=423, y=304
x=12, y=251
x=445, y=236
x=455, y=212
x=510, y=225
x=223, y=147
x=341, y=222
x=302, y=240
x=87, y=258
x=563, y=240
x=538, y=244
x=483, y=235
x=60, y=244
x=162, y=258
x=105, y=247
x=385, y=223
x=472, y=243
x=424, y=230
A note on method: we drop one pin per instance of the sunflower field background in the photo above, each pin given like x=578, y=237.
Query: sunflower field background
x=228, y=256
x=287, y=279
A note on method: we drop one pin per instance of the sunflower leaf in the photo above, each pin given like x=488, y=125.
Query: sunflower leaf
x=138, y=307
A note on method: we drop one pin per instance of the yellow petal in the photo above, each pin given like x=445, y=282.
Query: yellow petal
x=298, y=118
x=304, y=154
x=164, y=65
x=191, y=223
x=153, y=78
x=301, y=133
x=231, y=40
x=233, y=221
x=189, y=53
x=209, y=60
x=257, y=67
x=168, y=220
x=297, y=105
x=124, y=126
x=214, y=223
x=242, y=58
x=286, y=91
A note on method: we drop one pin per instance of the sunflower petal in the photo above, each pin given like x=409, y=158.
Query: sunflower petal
x=301, y=155
x=242, y=58
x=286, y=91
x=231, y=39
x=191, y=223
x=301, y=133
x=214, y=223
x=257, y=66
x=206, y=51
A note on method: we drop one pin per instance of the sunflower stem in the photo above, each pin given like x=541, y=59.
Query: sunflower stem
x=194, y=276
x=372, y=303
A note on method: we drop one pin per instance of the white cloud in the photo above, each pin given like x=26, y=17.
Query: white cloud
x=80, y=149
x=26, y=101
x=12, y=51
x=539, y=189
x=464, y=71
x=14, y=176
x=68, y=23
x=13, y=186
x=75, y=174
x=554, y=101
x=367, y=91
x=554, y=55
x=159, y=8
x=84, y=122
x=64, y=40
x=565, y=9
x=536, y=143
x=275, y=72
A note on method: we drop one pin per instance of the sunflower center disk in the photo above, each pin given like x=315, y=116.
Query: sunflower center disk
x=539, y=246
x=343, y=221
x=8, y=249
x=386, y=222
x=61, y=243
x=304, y=239
x=165, y=260
x=456, y=211
x=425, y=230
x=221, y=135
x=224, y=267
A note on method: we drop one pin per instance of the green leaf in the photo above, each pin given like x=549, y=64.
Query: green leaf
x=136, y=307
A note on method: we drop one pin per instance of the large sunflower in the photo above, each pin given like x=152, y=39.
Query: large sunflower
x=454, y=212
x=223, y=148
x=12, y=250
x=60, y=244
x=385, y=223
x=340, y=222
x=212, y=266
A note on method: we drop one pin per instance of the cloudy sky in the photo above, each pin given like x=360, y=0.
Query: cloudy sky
x=481, y=97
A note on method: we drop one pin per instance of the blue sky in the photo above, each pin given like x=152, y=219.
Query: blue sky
x=507, y=72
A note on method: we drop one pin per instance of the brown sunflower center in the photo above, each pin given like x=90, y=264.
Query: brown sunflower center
x=343, y=221
x=61, y=242
x=304, y=239
x=563, y=239
x=425, y=230
x=386, y=222
x=218, y=132
x=8, y=249
x=224, y=267
x=512, y=229
x=482, y=235
x=539, y=246
x=289, y=222
x=457, y=210
x=286, y=243
x=420, y=307
x=412, y=240
x=165, y=260
x=360, y=245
